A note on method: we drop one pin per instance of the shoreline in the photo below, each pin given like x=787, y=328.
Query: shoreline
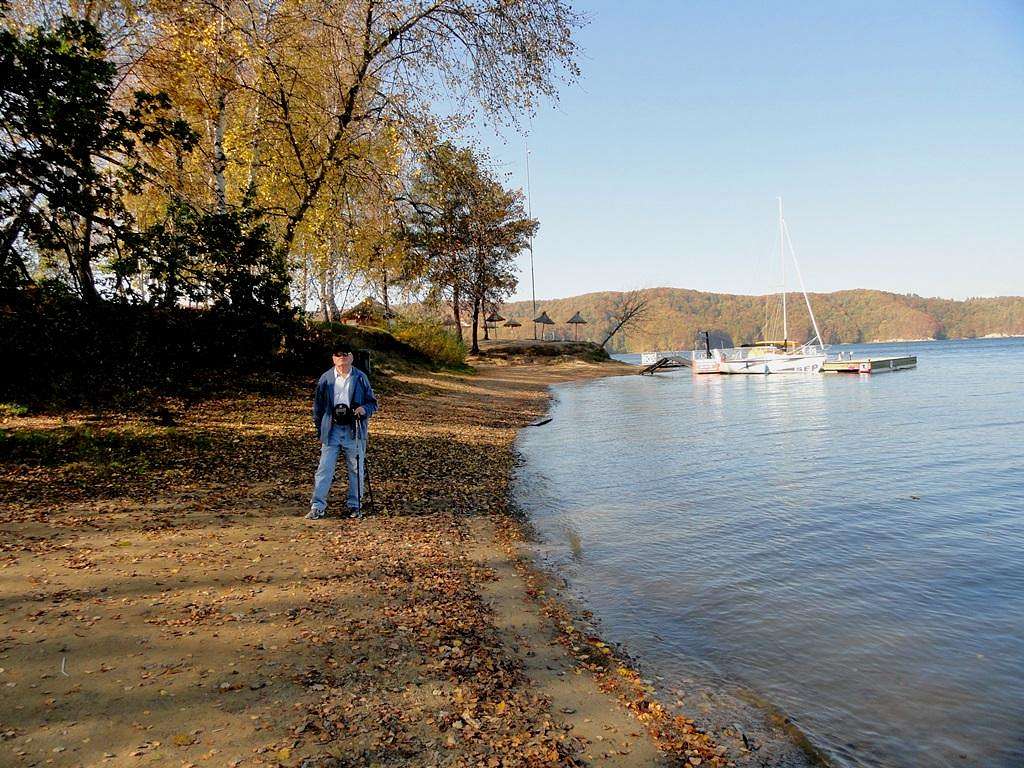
x=168, y=604
x=766, y=737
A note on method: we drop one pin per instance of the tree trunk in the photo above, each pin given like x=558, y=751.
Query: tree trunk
x=171, y=284
x=220, y=161
x=250, y=187
x=611, y=333
x=11, y=234
x=304, y=288
x=384, y=291
x=324, y=294
x=81, y=266
x=331, y=284
x=456, y=297
x=475, y=349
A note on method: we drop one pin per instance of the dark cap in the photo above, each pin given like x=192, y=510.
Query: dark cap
x=341, y=348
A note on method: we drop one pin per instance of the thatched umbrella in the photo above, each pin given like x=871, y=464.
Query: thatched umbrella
x=451, y=326
x=543, y=319
x=576, y=322
x=513, y=324
x=492, y=320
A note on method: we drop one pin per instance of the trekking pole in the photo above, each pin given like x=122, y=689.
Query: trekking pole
x=364, y=472
x=369, y=486
x=359, y=484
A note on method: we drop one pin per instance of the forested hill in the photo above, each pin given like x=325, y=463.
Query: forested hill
x=675, y=315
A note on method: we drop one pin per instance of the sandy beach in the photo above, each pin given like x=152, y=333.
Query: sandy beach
x=165, y=602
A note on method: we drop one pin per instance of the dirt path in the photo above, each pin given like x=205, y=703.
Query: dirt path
x=162, y=601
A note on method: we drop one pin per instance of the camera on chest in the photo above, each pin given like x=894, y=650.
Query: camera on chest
x=343, y=415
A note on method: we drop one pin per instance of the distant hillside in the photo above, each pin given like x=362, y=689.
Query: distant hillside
x=676, y=314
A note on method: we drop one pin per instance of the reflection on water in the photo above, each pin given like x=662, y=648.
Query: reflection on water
x=575, y=543
x=850, y=547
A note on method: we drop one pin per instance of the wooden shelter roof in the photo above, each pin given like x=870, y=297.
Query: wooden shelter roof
x=368, y=309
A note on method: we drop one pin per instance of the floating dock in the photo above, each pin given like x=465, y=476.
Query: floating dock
x=870, y=365
x=668, y=362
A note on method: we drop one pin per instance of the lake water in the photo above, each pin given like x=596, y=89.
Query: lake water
x=849, y=548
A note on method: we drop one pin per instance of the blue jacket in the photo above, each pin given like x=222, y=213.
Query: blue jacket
x=323, y=403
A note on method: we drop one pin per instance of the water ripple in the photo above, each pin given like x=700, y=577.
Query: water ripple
x=849, y=547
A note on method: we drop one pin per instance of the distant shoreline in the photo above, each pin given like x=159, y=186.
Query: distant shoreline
x=874, y=341
x=680, y=313
x=954, y=338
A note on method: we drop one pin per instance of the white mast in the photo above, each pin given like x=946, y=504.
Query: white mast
x=800, y=277
x=782, y=261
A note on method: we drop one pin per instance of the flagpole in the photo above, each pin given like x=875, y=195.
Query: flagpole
x=529, y=213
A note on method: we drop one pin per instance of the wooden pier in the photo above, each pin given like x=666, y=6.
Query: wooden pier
x=870, y=365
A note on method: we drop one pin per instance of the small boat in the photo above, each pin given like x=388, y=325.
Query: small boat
x=770, y=357
x=763, y=357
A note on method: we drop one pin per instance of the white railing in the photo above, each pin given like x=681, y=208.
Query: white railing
x=650, y=358
x=733, y=354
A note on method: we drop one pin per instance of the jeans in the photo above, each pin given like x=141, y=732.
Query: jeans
x=341, y=438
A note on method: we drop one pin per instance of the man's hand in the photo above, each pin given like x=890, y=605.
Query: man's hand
x=360, y=411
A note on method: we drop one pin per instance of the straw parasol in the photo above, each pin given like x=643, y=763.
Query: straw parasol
x=543, y=319
x=513, y=324
x=492, y=321
x=576, y=322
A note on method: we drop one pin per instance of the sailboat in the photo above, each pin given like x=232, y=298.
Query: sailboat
x=772, y=356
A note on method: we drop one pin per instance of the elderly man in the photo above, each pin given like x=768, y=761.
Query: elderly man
x=342, y=406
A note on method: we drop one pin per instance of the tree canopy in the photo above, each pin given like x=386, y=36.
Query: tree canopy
x=251, y=155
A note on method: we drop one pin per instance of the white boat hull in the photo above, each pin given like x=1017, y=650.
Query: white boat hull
x=773, y=364
x=704, y=365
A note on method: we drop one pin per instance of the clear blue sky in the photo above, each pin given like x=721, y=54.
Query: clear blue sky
x=893, y=130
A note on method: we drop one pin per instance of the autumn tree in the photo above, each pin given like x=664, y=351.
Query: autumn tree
x=305, y=116
x=385, y=58
x=381, y=253
x=303, y=85
x=499, y=231
x=627, y=309
x=467, y=231
x=439, y=226
x=68, y=157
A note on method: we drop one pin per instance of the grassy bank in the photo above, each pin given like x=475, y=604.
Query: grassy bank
x=62, y=355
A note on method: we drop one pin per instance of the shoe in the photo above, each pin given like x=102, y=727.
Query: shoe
x=316, y=514
x=355, y=514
